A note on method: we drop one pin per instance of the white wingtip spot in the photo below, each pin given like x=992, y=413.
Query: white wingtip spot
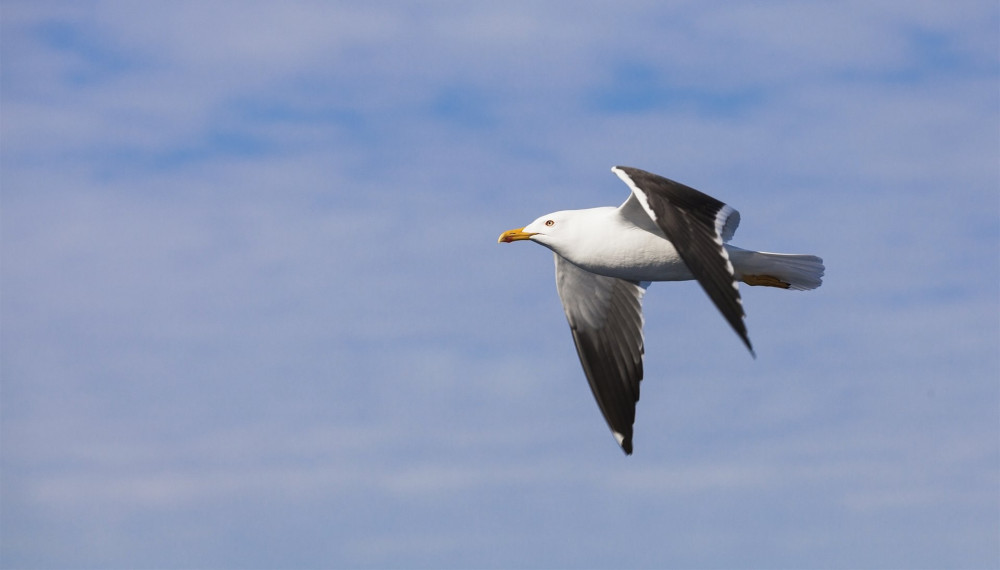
x=619, y=437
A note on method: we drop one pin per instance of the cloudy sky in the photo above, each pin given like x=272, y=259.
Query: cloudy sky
x=254, y=314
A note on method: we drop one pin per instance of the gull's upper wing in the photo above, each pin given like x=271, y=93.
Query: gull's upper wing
x=697, y=225
x=605, y=316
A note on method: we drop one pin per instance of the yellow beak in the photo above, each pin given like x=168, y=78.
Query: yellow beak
x=514, y=235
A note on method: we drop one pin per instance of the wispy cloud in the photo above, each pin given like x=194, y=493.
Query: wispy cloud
x=254, y=314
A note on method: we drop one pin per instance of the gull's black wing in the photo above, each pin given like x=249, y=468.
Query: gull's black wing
x=605, y=316
x=697, y=225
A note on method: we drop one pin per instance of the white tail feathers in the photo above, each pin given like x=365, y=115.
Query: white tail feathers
x=795, y=271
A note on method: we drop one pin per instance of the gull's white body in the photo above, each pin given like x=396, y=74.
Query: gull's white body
x=632, y=247
x=635, y=253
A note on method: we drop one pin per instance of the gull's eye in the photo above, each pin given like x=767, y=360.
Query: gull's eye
x=550, y=223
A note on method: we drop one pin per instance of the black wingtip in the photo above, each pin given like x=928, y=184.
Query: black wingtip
x=624, y=441
x=741, y=331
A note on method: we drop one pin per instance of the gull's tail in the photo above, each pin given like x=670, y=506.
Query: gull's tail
x=784, y=270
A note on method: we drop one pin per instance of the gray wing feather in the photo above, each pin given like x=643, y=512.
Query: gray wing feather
x=605, y=317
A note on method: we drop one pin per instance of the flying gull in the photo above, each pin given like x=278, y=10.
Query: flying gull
x=607, y=257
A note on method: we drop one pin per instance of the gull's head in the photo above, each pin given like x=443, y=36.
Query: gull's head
x=547, y=230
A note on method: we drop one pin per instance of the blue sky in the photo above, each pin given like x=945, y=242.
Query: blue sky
x=255, y=316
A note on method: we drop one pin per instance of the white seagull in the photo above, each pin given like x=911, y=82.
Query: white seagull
x=606, y=257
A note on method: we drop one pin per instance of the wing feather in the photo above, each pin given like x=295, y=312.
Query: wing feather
x=697, y=225
x=605, y=317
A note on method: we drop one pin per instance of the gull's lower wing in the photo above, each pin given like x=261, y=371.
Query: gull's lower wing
x=697, y=225
x=605, y=316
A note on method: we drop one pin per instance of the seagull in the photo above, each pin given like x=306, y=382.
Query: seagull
x=606, y=257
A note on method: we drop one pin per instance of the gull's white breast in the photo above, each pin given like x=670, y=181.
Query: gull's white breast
x=615, y=247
